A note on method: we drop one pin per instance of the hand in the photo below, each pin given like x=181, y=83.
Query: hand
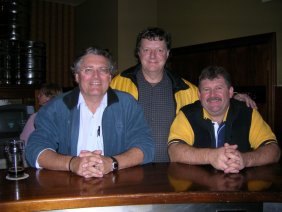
x=104, y=165
x=84, y=165
x=235, y=162
x=247, y=99
x=218, y=158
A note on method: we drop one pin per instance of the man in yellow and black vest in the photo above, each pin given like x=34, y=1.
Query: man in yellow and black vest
x=219, y=130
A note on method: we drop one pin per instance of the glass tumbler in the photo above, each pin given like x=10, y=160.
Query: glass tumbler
x=15, y=158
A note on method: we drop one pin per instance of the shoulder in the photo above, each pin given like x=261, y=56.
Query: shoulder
x=191, y=85
x=180, y=84
x=192, y=108
x=125, y=78
x=239, y=105
x=123, y=96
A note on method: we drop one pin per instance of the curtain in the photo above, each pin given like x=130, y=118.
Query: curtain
x=53, y=24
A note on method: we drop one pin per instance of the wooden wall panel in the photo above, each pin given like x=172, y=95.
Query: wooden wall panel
x=251, y=62
x=53, y=23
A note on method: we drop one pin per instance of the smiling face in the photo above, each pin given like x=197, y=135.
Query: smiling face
x=215, y=97
x=153, y=55
x=93, y=77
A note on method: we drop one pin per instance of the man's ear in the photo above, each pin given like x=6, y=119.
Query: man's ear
x=167, y=54
x=76, y=77
x=231, y=92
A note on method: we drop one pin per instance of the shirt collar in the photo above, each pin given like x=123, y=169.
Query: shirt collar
x=103, y=103
x=207, y=116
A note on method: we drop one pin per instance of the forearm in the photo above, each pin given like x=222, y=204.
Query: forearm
x=132, y=157
x=184, y=153
x=49, y=159
x=263, y=155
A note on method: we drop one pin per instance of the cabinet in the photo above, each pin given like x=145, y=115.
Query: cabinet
x=21, y=94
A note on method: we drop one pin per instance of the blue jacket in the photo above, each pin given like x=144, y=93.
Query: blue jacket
x=123, y=124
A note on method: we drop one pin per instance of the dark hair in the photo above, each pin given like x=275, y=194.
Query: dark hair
x=96, y=51
x=50, y=90
x=212, y=72
x=152, y=33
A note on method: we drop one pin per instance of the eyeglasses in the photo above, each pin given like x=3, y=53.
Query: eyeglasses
x=100, y=71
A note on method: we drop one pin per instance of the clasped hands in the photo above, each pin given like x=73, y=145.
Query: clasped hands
x=227, y=159
x=91, y=164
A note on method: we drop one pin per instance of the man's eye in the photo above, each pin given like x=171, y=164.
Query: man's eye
x=104, y=70
x=88, y=70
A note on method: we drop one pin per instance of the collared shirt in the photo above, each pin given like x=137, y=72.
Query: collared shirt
x=159, y=109
x=215, y=124
x=217, y=128
x=90, y=126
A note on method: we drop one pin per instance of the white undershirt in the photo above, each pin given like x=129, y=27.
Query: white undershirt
x=215, y=127
x=90, y=128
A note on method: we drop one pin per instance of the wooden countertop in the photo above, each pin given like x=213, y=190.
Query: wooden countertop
x=164, y=183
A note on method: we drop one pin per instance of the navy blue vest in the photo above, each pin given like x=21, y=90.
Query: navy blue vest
x=238, y=123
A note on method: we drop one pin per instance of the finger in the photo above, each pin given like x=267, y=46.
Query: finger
x=85, y=153
x=231, y=170
x=234, y=156
x=98, y=152
x=230, y=146
x=254, y=105
x=92, y=171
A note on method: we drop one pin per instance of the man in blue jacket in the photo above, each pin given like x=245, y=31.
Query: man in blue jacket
x=93, y=129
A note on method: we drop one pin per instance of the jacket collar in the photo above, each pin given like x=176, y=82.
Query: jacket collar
x=177, y=83
x=71, y=98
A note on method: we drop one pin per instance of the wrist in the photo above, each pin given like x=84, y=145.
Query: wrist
x=70, y=162
x=115, y=164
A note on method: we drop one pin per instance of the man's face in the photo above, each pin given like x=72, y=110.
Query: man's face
x=215, y=96
x=153, y=55
x=94, y=76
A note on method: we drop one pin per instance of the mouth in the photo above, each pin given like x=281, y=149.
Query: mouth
x=95, y=83
x=214, y=99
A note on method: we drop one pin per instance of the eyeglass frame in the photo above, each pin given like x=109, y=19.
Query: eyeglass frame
x=101, y=71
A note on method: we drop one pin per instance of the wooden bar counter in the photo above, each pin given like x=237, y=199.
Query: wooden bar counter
x=163, y=183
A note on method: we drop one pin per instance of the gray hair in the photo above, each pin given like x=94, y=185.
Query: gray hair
x=96, y=51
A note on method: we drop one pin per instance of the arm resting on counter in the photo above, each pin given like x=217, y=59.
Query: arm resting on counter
x=266, y=154
x=184, y=153
x=50, y=159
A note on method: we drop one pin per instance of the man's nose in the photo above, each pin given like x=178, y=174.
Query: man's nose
x=153, y=53
x=95, y=73
x=212, y=92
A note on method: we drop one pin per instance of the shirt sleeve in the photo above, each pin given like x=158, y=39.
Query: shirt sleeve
x=260, y=131
x=28, y=128
x=181, y=130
